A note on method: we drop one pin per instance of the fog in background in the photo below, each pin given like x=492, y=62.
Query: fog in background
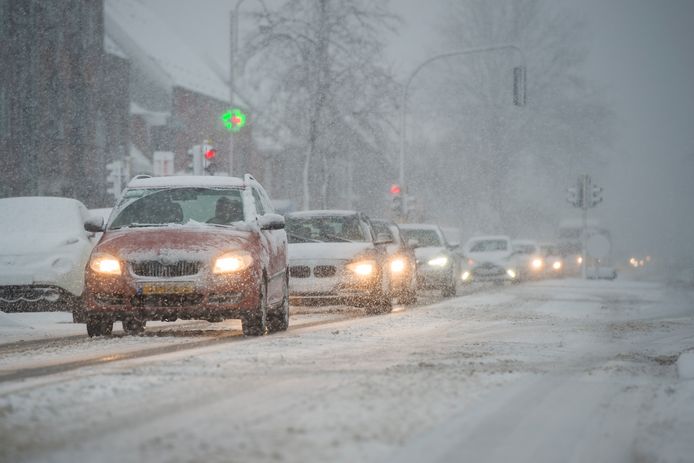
x=639, y=61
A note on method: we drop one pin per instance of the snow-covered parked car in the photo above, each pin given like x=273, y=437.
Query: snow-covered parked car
x=207, y=248
x=489, y=258
x=335, y=257
x=44, y=249
x=437, y=262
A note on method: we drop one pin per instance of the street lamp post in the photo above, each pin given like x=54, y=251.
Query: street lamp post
x=233, y=52
x=403, y=106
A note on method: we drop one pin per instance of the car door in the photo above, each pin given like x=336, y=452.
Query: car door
x=274, y=243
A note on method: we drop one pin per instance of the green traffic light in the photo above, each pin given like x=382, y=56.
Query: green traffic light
x=234, y=119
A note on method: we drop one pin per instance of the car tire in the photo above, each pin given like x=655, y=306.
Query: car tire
x=380, y=303
x=99, y=327
x=449, y=290
x=278, y=319
x=255, y=323
x=408, y=296
x=133, y=326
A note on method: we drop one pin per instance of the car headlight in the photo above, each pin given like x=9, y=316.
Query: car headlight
x=231, y=262
x=105, y=264
x=536, y=264
x=579, y=260
x=362, y=268
x=439, y=261
x=556, y=265
x=510, y=272
x=465, y=276
x=397, y=265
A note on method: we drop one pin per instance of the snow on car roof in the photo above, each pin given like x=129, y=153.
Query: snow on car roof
x=324, y=213
x=186, y=181
x=524, y=241
x=418, y=226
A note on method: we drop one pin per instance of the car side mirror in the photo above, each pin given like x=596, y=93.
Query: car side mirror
x=383, y=238
x=94, y=225
x=412, y=243
x=271, y=222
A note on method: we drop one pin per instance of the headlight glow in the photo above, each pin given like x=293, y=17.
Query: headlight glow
x=579, y=260
x=397, y=266
x=536, y=264
x=556, y=265
x=362, y=268
x=510, y=272
x=105, y=264
x=466, y=276
x=232, y=262
x=440, y=261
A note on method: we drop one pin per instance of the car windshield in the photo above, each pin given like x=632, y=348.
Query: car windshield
x=325, y=229
x=425, y=237
x=525, y=248
x=489, y=246
x=155, y=207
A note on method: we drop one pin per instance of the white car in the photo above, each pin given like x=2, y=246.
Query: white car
x=437, y=263
x=43, y=253
x=529, y=259
x=335, y=257
x=489, y=258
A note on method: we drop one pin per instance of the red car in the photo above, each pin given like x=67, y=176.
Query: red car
x=207, y=248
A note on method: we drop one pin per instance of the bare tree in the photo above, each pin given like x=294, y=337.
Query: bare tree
x=506, y=167
x=318, y=63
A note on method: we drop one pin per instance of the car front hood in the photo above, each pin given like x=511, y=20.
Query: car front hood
x=501, y=259
x=172, y=242
x=321, y=251
x=18, y=244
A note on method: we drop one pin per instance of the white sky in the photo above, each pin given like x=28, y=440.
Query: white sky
x=640, y=52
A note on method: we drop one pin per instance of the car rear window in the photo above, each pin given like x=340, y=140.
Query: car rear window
x=326, y=229
x=489, y=246
x=425, y=237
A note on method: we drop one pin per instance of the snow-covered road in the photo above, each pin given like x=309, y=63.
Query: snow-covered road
x=564, y=370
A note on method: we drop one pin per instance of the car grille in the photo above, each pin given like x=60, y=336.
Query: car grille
x=324, y=271
x=157, y=269
x=300, y=271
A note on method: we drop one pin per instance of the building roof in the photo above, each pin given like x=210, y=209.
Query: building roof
x=154, y=46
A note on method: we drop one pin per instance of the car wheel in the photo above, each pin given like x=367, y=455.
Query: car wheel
x=255, y=323
x=99, y=327
x=449, y=290
x=133, y=326
x=278, y=320
x=408, y=296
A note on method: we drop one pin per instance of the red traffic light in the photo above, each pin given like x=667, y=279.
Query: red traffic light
x=211, y=153
x=395, y=189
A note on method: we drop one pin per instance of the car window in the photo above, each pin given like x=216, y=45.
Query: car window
x=489, y=246
x=326, y=228
x=425, y=237
x=259, y=206
x=152, y=207
x=525, y=248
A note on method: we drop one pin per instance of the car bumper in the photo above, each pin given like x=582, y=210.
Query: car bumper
x=339, y=289
x=214, y=298
x=433, y=277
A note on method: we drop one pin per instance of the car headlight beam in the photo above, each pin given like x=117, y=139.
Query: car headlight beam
x=362, y=268
x=397, y=265
x=536, y=264
x=232, y=262
x=556, y=265
x=105, y=264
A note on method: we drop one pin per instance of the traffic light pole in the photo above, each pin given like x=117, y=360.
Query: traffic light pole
x=413, y=74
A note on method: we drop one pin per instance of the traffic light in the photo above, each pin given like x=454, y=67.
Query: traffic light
x=115, y=178
x=396, y=206
x=410, y=204
x=395, y=189
x=234, y=120
x=210, y=154
x=519, y=85
x=595, y=195
x=575, y=195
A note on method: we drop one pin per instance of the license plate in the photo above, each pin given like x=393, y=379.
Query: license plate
x=168, y=288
